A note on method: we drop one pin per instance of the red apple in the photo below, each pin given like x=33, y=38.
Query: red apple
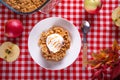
x=92, y=6
x=116, y=16
x=13, y=28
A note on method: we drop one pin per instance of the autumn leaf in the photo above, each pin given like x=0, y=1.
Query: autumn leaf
x=103, y=53
x=97, y=56
x=94, y=63
x=97, y=66
x=116, y=71
x=114, y=45
x=118, y=47
x=105, y=58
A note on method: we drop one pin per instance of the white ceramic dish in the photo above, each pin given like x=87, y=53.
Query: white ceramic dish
x=35, y=51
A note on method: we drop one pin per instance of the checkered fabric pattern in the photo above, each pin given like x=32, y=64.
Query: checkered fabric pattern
x=101, y=35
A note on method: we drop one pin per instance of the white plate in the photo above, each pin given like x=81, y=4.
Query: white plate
x=35, y=51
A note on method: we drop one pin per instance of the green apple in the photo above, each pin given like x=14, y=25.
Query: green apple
x=92, y=6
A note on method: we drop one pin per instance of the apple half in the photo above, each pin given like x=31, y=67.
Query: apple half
x=116, y=16
x=92, y=6
x=9, y=51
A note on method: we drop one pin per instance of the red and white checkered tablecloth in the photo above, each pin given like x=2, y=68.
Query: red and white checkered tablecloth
x=101, y=35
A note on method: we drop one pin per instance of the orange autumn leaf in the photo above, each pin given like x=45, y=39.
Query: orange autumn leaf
x=105, y=56
x=113, y=56
x=115, y=45
x=103, y=53
x=109, y=58
x=93, y=62
x=97, y=56
x=109, y=62
x=118, y=47
x=97, y=66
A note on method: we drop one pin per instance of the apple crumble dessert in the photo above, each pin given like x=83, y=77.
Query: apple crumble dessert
x=54, y=43
x=25, y=5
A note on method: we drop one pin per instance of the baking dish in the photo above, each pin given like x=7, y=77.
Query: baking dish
x=18, y=12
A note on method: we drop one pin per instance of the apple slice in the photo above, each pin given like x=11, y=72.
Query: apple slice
x=116, y=16
x=92, y=6
x=9, y=51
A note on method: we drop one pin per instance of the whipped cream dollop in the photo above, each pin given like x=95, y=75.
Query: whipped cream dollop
x=54, y=42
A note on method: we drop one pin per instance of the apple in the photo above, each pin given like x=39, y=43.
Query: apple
x=9, y=51
x=92, y=6
x=116, y=16
x=13, y=28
